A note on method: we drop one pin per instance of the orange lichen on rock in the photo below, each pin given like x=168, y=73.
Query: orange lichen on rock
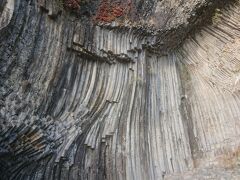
x=108, y=11
x=117, y=11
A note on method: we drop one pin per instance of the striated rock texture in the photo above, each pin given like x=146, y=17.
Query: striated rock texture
x=119, y=90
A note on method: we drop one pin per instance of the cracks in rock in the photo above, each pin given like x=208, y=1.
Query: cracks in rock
x=86, y=119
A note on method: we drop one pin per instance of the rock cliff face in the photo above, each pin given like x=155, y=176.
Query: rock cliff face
x=119, y=90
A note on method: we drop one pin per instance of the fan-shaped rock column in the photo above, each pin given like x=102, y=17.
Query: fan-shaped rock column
x=119, y=90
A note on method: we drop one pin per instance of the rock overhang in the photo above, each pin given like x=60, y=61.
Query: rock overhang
x=164, y=24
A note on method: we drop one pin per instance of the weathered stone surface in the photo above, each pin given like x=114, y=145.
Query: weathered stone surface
x=6, y=11
x=119, y=89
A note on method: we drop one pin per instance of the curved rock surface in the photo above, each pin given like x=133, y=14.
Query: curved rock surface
x=119, y=90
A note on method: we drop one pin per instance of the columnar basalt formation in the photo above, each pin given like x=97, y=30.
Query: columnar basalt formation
x=128, y=90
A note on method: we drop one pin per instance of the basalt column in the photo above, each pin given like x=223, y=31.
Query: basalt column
x=119, y=90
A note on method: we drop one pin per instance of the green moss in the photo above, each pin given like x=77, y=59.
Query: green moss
x=217, y=16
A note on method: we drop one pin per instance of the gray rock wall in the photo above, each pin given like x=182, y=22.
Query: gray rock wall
x=81, y=99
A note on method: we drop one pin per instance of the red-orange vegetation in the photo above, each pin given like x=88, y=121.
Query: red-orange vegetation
x=108, y=12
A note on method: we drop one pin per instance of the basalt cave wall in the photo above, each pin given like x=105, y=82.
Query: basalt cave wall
x=119, y=89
